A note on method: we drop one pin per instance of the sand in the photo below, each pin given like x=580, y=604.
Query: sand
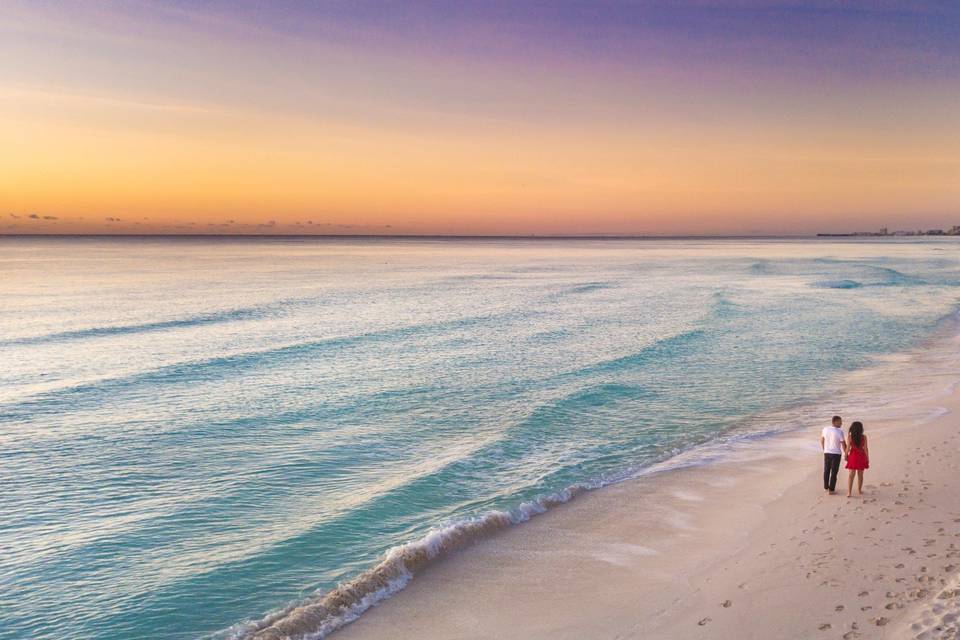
x=745, y=547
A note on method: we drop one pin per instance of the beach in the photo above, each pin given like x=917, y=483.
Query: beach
x=747, y=546
x=478, y=320
x=273, y=438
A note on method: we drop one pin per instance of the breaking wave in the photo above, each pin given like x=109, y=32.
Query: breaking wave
x=319, y=616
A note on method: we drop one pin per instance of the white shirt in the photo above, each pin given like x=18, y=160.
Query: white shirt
x=832, y=438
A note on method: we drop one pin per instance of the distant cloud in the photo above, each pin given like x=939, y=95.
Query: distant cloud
x=50, y=218
x=13, y=215
x=231, y=222
x=112, y=219
x=33, y=216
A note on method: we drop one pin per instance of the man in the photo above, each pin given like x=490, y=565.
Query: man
x=834, y=445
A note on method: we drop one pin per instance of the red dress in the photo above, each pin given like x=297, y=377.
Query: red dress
x=857, y=458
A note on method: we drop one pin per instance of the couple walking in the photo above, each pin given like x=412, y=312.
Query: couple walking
x=853, y=447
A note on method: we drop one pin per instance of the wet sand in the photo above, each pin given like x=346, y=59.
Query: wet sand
x=745, y=547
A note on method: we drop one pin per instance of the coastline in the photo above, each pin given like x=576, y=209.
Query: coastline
x=656, y=556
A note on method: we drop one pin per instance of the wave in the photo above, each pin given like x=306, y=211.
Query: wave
x=317, y=617
x=203, y=370
x=873, y=275
x=761, y=268
x=664, y=347
x=587, y=287
x=838, y=284
x=233, y=315
x=892, y=277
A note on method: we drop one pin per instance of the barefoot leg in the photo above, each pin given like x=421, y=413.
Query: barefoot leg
x=859, y=482
x=850, y=475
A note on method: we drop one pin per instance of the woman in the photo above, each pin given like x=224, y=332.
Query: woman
x=858, y=457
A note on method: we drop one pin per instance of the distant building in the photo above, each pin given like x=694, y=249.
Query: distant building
x=935, y=232
x=954, y=230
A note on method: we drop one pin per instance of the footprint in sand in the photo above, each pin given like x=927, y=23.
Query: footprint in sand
x=863, y=593
x=826, y=626
x=726, y=604
x=838, y=608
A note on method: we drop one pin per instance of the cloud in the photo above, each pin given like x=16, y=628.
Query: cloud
x=112, y=219
x=33, y=216
x=13, y=215
x=50, y=218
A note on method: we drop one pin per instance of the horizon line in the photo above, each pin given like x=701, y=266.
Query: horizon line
x=532, y=236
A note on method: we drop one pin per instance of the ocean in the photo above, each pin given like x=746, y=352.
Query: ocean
x=199, y=434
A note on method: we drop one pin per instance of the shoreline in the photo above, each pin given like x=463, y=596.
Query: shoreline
x=655, y=556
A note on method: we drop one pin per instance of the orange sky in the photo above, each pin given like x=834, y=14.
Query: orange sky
x=115, y=121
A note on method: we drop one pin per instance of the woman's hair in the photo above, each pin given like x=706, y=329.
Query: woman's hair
x=856, y=433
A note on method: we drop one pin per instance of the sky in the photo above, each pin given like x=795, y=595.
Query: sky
x=488, y=118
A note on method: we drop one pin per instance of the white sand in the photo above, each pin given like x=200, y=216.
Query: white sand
x=744, y=548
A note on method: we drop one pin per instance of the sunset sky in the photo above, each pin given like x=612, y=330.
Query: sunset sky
x=552, y=117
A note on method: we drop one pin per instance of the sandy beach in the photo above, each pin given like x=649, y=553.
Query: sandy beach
x=747, y=546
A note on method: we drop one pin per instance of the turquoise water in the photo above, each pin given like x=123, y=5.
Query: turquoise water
x=195, y=434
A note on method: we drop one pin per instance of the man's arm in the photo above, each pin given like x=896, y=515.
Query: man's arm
x=822, y=445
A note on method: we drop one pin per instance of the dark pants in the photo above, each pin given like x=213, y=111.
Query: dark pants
x=831, y=466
